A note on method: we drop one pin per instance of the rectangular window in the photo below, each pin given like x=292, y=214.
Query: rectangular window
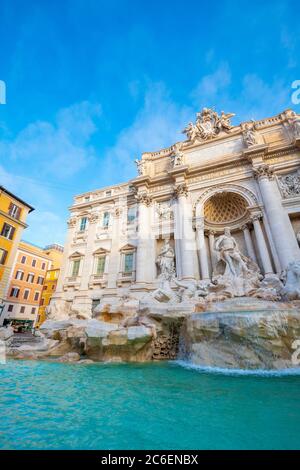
x=19, y=275
x=75, y=268
x=33, y=311
x=40, y=280
x=108, y=193
x=26, y=294
x=8, y=231
x=23, y=259
x=105, y=222
x=10, y=308
x=83, y=222
x=42, y=301
x=15, y=292
x=30, y=278
x=33, y=263
x=131, y=214
x=14, y=211
x=128, y=263
x=3, y=256
x=36, y=296
x=43, y=266
x=100, y=265
x=22, y=309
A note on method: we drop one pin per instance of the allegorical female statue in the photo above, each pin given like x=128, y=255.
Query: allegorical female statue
x=166, y=261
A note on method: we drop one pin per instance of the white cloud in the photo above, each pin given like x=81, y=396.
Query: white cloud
x=252, y=97
x=210, y=86
x=158, y=124
x=60, y=149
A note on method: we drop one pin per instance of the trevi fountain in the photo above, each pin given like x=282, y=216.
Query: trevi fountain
x=196, y=259
x=176, y=319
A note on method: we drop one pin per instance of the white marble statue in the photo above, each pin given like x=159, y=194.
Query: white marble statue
x=229, y=252
x=177, y=156
x=191, y=131
x=141, y=167
x=166, y=261
x=235, y=273
x=295, y=124
x=291, y=289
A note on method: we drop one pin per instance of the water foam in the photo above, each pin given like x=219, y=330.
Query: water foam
x=225, y=371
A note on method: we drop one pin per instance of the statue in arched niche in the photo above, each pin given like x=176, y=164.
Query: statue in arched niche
x=237, y=273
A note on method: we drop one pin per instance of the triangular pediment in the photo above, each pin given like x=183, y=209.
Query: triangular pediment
x=77, y=254
x=128, y=247
x=100, y=251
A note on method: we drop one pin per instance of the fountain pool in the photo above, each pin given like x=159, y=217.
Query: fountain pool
x=47, y=405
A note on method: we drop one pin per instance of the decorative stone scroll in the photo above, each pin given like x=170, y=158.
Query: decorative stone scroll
x=180, y=190
x=208, y=125
x=264, y=171
x=72, y=222
x=143, y=198
x=290, y=185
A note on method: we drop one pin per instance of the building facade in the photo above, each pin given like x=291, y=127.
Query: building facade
x=25, y=286
x=245, y=178
x=13, y=215
x=55, y=253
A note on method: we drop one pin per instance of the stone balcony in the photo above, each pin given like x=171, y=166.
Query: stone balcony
x=98, y=280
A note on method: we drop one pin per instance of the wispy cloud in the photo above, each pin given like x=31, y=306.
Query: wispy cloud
x=252, y=97
x=212, y=85
x=59, y=149
x=157, y=124
x=55, y=153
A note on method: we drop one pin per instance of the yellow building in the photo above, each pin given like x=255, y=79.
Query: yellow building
x=13, y=214
x=55, y=253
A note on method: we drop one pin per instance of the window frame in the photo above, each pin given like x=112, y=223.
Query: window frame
x=10, y=233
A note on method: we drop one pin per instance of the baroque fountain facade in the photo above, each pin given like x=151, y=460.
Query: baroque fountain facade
x=198, y=255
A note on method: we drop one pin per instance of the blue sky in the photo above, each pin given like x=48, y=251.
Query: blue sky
x=91, y=84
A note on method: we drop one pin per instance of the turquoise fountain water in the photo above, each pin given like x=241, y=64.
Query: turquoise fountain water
x=47, y=405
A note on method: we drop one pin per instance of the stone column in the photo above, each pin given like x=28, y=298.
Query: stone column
x=114, y=255
x=88, y=260
x=183, y=222
x=211, y=237
x=201, y=247
x=279, y=221
x=249, y=244
x=262, y=247
x=177, y=238
x=72, y=222
x=145, y=255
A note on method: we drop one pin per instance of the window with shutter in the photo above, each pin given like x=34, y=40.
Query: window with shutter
x=3, y=256
x=8, y=231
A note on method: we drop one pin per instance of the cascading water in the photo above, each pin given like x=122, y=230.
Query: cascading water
x=260, y=339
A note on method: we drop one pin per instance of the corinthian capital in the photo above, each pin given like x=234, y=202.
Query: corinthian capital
x=199, y=223
x=144, y=198
x=180, y=190
x=264, y=171
x=256, y=216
